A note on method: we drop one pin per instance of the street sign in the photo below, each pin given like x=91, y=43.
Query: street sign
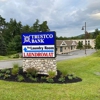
x=39, y=44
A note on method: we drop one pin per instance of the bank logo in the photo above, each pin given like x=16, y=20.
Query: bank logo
x=26, y=39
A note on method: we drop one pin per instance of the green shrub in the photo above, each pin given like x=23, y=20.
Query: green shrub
x=31, y=70
x=50, y=80
x=64, y=73
x=6, y=76
x=1, y=74
x=7, y=71
x=70, y=77
x=33, y=79
x=16, y=56
x=43, y=78
x=52, y=74
x=20, y=78
x=61, y=79
x=15, y=69
x=28, y=75
x=74, y=76
x=3, y=70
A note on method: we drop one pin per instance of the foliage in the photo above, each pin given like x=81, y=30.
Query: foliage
x=50, y=80
x=61, y=79
x=97, y=42
x=6, y=76
x=52, y=74
x=7, y=71
x=33, y=79
x=3, y=49
x=43, y=78
x=3, y=70
x=80, y=45
x=16, y=56
x=15, y=69
x=96, y=33
x=70, y=77
x=64, y=72
x=31, y=70
x=44, y=27
x=1, y=74
x=11, y=32
x=20, y=78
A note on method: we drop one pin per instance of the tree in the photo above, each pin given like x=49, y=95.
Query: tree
x=80, y=45
x=96, y=33
x=2, y=23
x=97, y=42
x=3, y=49
x=36, y=26
x=15, y=45
x=26, y=28
x=44, y=27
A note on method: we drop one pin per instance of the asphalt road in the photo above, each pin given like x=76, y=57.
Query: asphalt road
x=74, y=54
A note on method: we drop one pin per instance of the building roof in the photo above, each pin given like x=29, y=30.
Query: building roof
x=65, y=43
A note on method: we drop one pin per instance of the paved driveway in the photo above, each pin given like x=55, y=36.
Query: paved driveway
x=74, y=54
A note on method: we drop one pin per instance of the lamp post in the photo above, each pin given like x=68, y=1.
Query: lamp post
x=85, y=35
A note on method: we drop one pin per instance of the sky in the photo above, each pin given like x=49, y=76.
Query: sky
x=65, y=17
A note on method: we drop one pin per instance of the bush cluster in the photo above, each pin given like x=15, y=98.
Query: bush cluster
x=31, y=75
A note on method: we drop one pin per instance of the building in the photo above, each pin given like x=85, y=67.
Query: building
x=90, y=42
x=65, y=46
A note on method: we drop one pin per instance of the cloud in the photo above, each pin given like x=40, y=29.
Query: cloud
x=95, y=16
x=65, y=17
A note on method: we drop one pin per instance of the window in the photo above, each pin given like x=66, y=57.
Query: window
x=88, y=42
x=61, y=49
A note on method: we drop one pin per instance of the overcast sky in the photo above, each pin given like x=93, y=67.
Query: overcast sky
x=66, y=17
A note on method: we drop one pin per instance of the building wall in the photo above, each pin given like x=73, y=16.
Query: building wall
x=62, y=49
x=65, y=49
x=69, y=48
x=91, y=41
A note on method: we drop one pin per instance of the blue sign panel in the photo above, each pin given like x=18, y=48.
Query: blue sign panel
x=38, y=38
x=39, y=44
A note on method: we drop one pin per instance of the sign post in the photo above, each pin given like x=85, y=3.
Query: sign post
x=39, y=45
x=39, y=51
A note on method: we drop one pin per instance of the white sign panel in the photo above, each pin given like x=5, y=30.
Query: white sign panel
x=38, y=51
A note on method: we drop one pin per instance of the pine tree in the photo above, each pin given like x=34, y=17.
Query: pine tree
x=3, y=50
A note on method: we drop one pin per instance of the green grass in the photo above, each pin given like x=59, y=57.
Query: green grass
x=7, y=57
x=88, y=89
x=4, y=57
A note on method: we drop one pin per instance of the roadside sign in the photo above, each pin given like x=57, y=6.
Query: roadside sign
x=39, y=44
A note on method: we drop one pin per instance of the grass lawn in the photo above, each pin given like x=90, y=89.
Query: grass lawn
x=8, y=57
x=4, y=57
x=87, y=68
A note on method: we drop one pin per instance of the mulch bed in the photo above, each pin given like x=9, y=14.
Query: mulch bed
x=39, y=78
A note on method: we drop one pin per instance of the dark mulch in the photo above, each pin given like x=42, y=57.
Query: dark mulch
x=40, y=79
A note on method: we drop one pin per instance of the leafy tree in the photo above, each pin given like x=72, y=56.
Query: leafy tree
x=15, y=45
x=26, y=28
x=2, y=23
x=13, y=28
x=44, y=27
x=11, y=48
x=97, y=42
x=17, y=40
x=36, y=26
x=80, y=45
x=96, y=33
x=3, y=49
